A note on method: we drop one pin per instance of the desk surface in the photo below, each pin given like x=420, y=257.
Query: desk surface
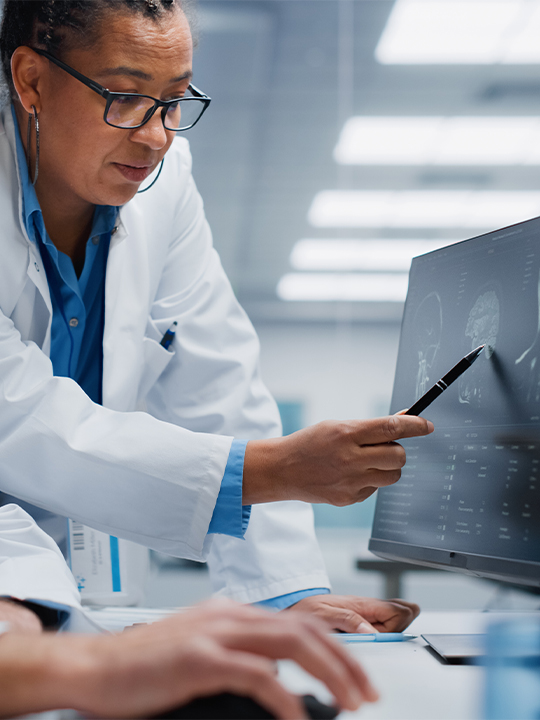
x=413, y=684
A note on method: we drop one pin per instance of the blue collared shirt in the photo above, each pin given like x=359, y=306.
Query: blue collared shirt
x=78, y=303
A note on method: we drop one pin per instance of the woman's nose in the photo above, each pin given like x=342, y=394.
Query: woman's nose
x=151, y=133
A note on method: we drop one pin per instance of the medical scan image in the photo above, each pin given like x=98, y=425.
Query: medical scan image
x=428, y=328
x=482, y=329
x=529, y=363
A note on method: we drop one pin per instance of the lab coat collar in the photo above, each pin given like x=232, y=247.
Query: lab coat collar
x=29, y=203
x=8, y=128
x=28, y=271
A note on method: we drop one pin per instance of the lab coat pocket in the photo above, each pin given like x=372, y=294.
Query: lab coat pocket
x=156, y=359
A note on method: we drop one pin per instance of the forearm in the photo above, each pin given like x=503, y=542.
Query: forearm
x=263, y=467
x=46, y=672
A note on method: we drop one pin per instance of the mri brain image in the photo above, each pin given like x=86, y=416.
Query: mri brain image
x=482, y=328
x=428, y=330
x=529, y=364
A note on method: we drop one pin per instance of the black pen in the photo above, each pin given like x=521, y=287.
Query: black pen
x=439, y=387
x=167, y=339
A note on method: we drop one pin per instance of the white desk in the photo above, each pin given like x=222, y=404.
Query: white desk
x=413, y=684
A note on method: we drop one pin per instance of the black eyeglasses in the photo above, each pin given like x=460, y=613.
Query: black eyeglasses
x=131, y=110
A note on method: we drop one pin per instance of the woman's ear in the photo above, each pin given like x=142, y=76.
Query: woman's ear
x=27, y=70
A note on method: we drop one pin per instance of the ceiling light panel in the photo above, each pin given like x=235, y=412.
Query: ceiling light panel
x=461, y=32
x=375, y=255
x=439, y=141
x=422, y=209
x=344, y=287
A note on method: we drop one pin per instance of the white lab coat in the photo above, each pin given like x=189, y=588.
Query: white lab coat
x=33, y=568
x=31, y=565
x=147, y=465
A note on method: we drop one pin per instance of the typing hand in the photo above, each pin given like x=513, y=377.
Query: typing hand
x=213, y=648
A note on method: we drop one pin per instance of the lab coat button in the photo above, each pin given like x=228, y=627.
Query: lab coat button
x=95, y=240
x=73, y=322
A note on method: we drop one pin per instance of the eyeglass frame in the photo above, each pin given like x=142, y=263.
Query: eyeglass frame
x=110, y=96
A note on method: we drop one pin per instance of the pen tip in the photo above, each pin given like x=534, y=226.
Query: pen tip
x=476, y=352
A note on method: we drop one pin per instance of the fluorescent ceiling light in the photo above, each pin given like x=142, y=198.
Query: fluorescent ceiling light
x=439, y=141
x=367, y=255
x=461, y=31
x=346, y=287
x=422, y=209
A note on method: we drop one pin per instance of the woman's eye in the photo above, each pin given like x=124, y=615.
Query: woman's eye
x=126, y=100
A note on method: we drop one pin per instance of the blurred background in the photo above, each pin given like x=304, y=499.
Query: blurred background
x=345, y=137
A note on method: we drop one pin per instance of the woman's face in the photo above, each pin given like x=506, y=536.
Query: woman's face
x=83, y=158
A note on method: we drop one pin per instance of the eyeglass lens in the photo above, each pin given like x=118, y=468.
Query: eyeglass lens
x=127, y=111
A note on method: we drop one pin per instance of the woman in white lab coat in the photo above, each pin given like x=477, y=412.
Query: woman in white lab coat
x=98, y=420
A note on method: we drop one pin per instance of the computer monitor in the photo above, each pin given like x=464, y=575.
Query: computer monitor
x=469, y=495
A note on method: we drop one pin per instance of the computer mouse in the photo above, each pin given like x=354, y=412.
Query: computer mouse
x=227, y=706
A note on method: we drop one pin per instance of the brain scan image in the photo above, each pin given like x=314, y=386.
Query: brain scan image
x=482, y=328
x=428, y=331
x=530, y=365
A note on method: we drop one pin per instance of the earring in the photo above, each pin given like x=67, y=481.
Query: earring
x=28, y=138
x=154, y=180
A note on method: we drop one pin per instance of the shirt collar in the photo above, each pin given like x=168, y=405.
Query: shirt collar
x=104, y=219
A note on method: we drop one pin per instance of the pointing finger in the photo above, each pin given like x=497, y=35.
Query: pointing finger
x=392, y=427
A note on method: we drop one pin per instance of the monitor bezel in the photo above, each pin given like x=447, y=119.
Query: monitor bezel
x=516, y=572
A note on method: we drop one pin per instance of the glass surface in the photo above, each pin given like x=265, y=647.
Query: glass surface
x=472, y=488
x=128, y=111
x=512, y=687
x=132, y=110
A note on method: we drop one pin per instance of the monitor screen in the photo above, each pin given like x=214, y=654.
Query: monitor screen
x=469, y=494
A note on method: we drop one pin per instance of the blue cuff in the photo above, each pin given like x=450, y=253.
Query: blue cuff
x=64, y=611
x=284, y=601
x=230, y=516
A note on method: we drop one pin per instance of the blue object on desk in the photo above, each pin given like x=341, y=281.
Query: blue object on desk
x=374, y=637
x=512, y=687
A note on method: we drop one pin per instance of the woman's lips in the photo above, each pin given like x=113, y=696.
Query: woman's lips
x=134, y=173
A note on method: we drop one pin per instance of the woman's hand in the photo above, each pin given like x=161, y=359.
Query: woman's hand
x=359, y=614
x=339, y=463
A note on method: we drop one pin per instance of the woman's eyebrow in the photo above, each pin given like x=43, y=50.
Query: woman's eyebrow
x=141, y=75
x=185, y=76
